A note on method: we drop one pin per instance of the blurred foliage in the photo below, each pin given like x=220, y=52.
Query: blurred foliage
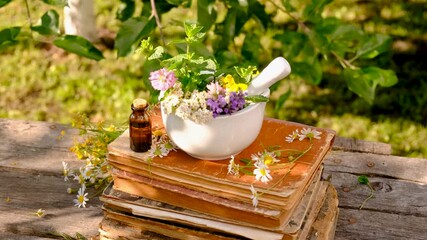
x=42, y=82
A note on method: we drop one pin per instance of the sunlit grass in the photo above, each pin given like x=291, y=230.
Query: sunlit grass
x=42, y=82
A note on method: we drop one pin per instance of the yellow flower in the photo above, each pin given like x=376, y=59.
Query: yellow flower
x=231, y=85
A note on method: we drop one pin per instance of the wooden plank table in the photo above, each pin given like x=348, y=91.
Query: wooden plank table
x=31, y=155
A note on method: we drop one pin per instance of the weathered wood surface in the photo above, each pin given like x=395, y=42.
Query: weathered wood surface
x=31, y=156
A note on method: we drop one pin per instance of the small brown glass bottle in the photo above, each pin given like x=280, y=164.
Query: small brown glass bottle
x=140, y=126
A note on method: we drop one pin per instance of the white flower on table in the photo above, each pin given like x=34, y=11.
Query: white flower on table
x=309, y=133
x=262, y=173
x=254, y=196
x=294, y=135
x=233, y=168
x=65, y=170
x=81, y=197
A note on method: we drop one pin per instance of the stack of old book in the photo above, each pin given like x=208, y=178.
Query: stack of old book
x=180, y=197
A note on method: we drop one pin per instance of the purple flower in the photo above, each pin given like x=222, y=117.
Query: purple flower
x=217, y=106
x=162, y=79
x=237, y=101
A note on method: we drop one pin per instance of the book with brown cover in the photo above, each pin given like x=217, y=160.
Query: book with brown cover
x=134, y=217
x=217, y=207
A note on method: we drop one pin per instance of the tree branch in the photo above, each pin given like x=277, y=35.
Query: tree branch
x=156, y=16
x=29, y=17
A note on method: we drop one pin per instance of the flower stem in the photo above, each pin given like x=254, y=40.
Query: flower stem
x=302, y=154
x=369, y=197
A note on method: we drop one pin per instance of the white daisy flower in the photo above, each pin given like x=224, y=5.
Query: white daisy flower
x=158, y=151
x=309, y=133
x=81, y=197
x=233, y=168
x=254, y=196
x=291, y=137
x=65, y=170
x=262, y=173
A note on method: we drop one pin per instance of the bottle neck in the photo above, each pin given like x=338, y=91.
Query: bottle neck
x=138, y=109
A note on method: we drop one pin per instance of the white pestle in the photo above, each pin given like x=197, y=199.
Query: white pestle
x=276, y=70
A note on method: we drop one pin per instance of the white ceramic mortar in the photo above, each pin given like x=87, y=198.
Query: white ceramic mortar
x=226, y=135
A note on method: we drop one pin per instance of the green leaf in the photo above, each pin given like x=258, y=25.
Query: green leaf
x=281, y=101
x=256, y=98
x=258, y=10
x=185, y=3
x=363, y=180
x=229, y=28
x=59, y=3
x=49, y=24
x=292, y=43
x=126, y=10
x=131, y=32
x=364, y=81
x=161, y=7
x=360, y=84
x=79, y=46
x=320, y=41
x=314, y=9
x=206, y=13
x=385, y=78
x=8, y=36
x=158, y=53
x=252, y=48
x=310, y=72
x=374, y=46
x=4, y=2
x=288, y=6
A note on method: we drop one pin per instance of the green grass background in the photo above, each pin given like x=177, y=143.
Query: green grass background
x=41, y=82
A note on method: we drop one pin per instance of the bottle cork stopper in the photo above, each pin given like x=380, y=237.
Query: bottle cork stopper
x=139, y=103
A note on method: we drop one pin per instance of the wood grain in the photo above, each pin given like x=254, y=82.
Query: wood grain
x=412, y=169
x=31, y=158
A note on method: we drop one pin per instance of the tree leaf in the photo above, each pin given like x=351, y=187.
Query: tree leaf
x=59, y=3
x=360, y=84
x=292, y=43
x=258, y=10
x=161, y=7
x=229, y=28
x=8, y=36
x=185, y=3
x=4, y=2
x=49, y=24
x=314, y=9
x=251, y=48
x=281, y=101
x=364, y=81
x=79, y=46
x=363, y=180
x=206, y=13
x=126, y=10
x=310, y=72
x=131, y=32
x=374, y=46
x=288, y=6
x=385, y=78
x=320, y=41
